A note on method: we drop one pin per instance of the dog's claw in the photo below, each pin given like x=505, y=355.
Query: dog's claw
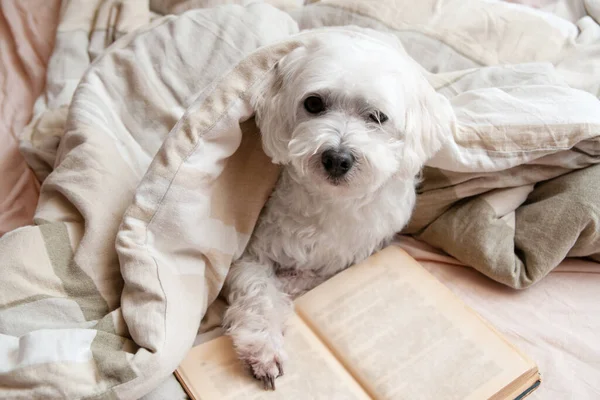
x=269, y=382
x=267, y=376
x=266, y=364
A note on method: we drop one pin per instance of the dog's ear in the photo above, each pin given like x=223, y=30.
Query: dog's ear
x=429, y=117
x=429, y=123
x=274, y=122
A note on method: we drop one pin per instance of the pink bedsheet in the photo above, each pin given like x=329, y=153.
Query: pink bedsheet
x=27, y=30
x=556, y=322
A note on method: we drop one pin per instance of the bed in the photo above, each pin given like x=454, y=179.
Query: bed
x=555, y=320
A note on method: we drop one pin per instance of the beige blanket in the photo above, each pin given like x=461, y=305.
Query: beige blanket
x=159, y=155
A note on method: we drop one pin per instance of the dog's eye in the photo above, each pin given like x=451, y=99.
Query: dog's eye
x=314, y=105
x=378, y=117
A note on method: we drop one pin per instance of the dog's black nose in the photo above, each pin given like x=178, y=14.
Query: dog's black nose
x=337, y=162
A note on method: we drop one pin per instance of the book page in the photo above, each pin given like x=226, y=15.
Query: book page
x=212, y=371
x=402, y=334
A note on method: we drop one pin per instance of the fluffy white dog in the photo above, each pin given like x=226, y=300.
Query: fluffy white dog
x=352, y=121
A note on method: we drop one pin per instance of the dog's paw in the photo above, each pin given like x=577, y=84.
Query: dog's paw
x=267, y=372
x=266, y=361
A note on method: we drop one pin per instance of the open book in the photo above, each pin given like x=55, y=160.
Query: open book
x=382, y=329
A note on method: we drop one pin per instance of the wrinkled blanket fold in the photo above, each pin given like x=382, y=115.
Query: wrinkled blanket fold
x=154, y=176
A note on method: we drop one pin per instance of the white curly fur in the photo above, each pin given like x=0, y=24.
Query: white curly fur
x=311, y=228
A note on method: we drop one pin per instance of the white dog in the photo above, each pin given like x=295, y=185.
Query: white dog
x=352, y=121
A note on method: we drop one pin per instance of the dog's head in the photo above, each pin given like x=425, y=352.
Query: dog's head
x=347, y=113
